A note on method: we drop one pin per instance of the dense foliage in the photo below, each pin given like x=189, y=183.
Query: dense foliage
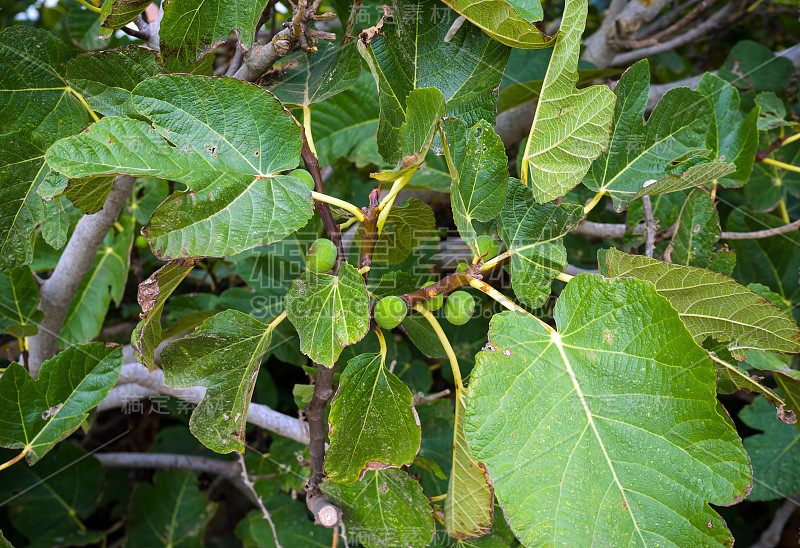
x=409, y=275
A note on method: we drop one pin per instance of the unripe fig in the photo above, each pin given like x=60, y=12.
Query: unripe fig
x=488, y=247
x=390, y=312
x=434, y=303
x=321, y=256
x=304, y=176
x=459, y=308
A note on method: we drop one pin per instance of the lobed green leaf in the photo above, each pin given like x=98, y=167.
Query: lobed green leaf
x=224, y=355
x=710, y=304
x=627, y=442
x=329, y=312
x=570, y=127
x=372, y=422
x=37, y=414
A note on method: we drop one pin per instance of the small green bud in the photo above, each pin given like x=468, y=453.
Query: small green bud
x=461, y=267
x=321, y=256
x=459, y=308
x=435, y=302
x=390, y=312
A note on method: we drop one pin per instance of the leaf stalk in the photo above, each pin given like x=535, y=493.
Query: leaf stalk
x=347, y=206
x=782, y=165
x=594, y=201
x=307, y=125
x=448, y=348
x=91, y=7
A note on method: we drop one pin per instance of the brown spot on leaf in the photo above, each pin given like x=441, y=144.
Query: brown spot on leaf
x=52, y=411
x=148, y=294
x=786, y=415
x=149, y=289
x=367, y=35
x=374, y=465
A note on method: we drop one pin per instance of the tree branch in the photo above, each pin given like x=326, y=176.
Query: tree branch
x=323, y=209
x=513, y=125
x=56, y=293
x=771, y=536
x=444, y=286
x=166, y=461
x=260, y=503
x=655, y=38
x=135, y=33
x=152, y=29
x=650, y=226
x=141, y=382
x=236, y=61
x=657, y=91
x=791, y=227
x=717, y=21
x=259, y=59
x=229, y=470
x=604, y=231
x=369, y=232
x=325, y=512
x=665, y=20
x=599, y=46
x=420, y=398
x=621, y=22
x=617, y=230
